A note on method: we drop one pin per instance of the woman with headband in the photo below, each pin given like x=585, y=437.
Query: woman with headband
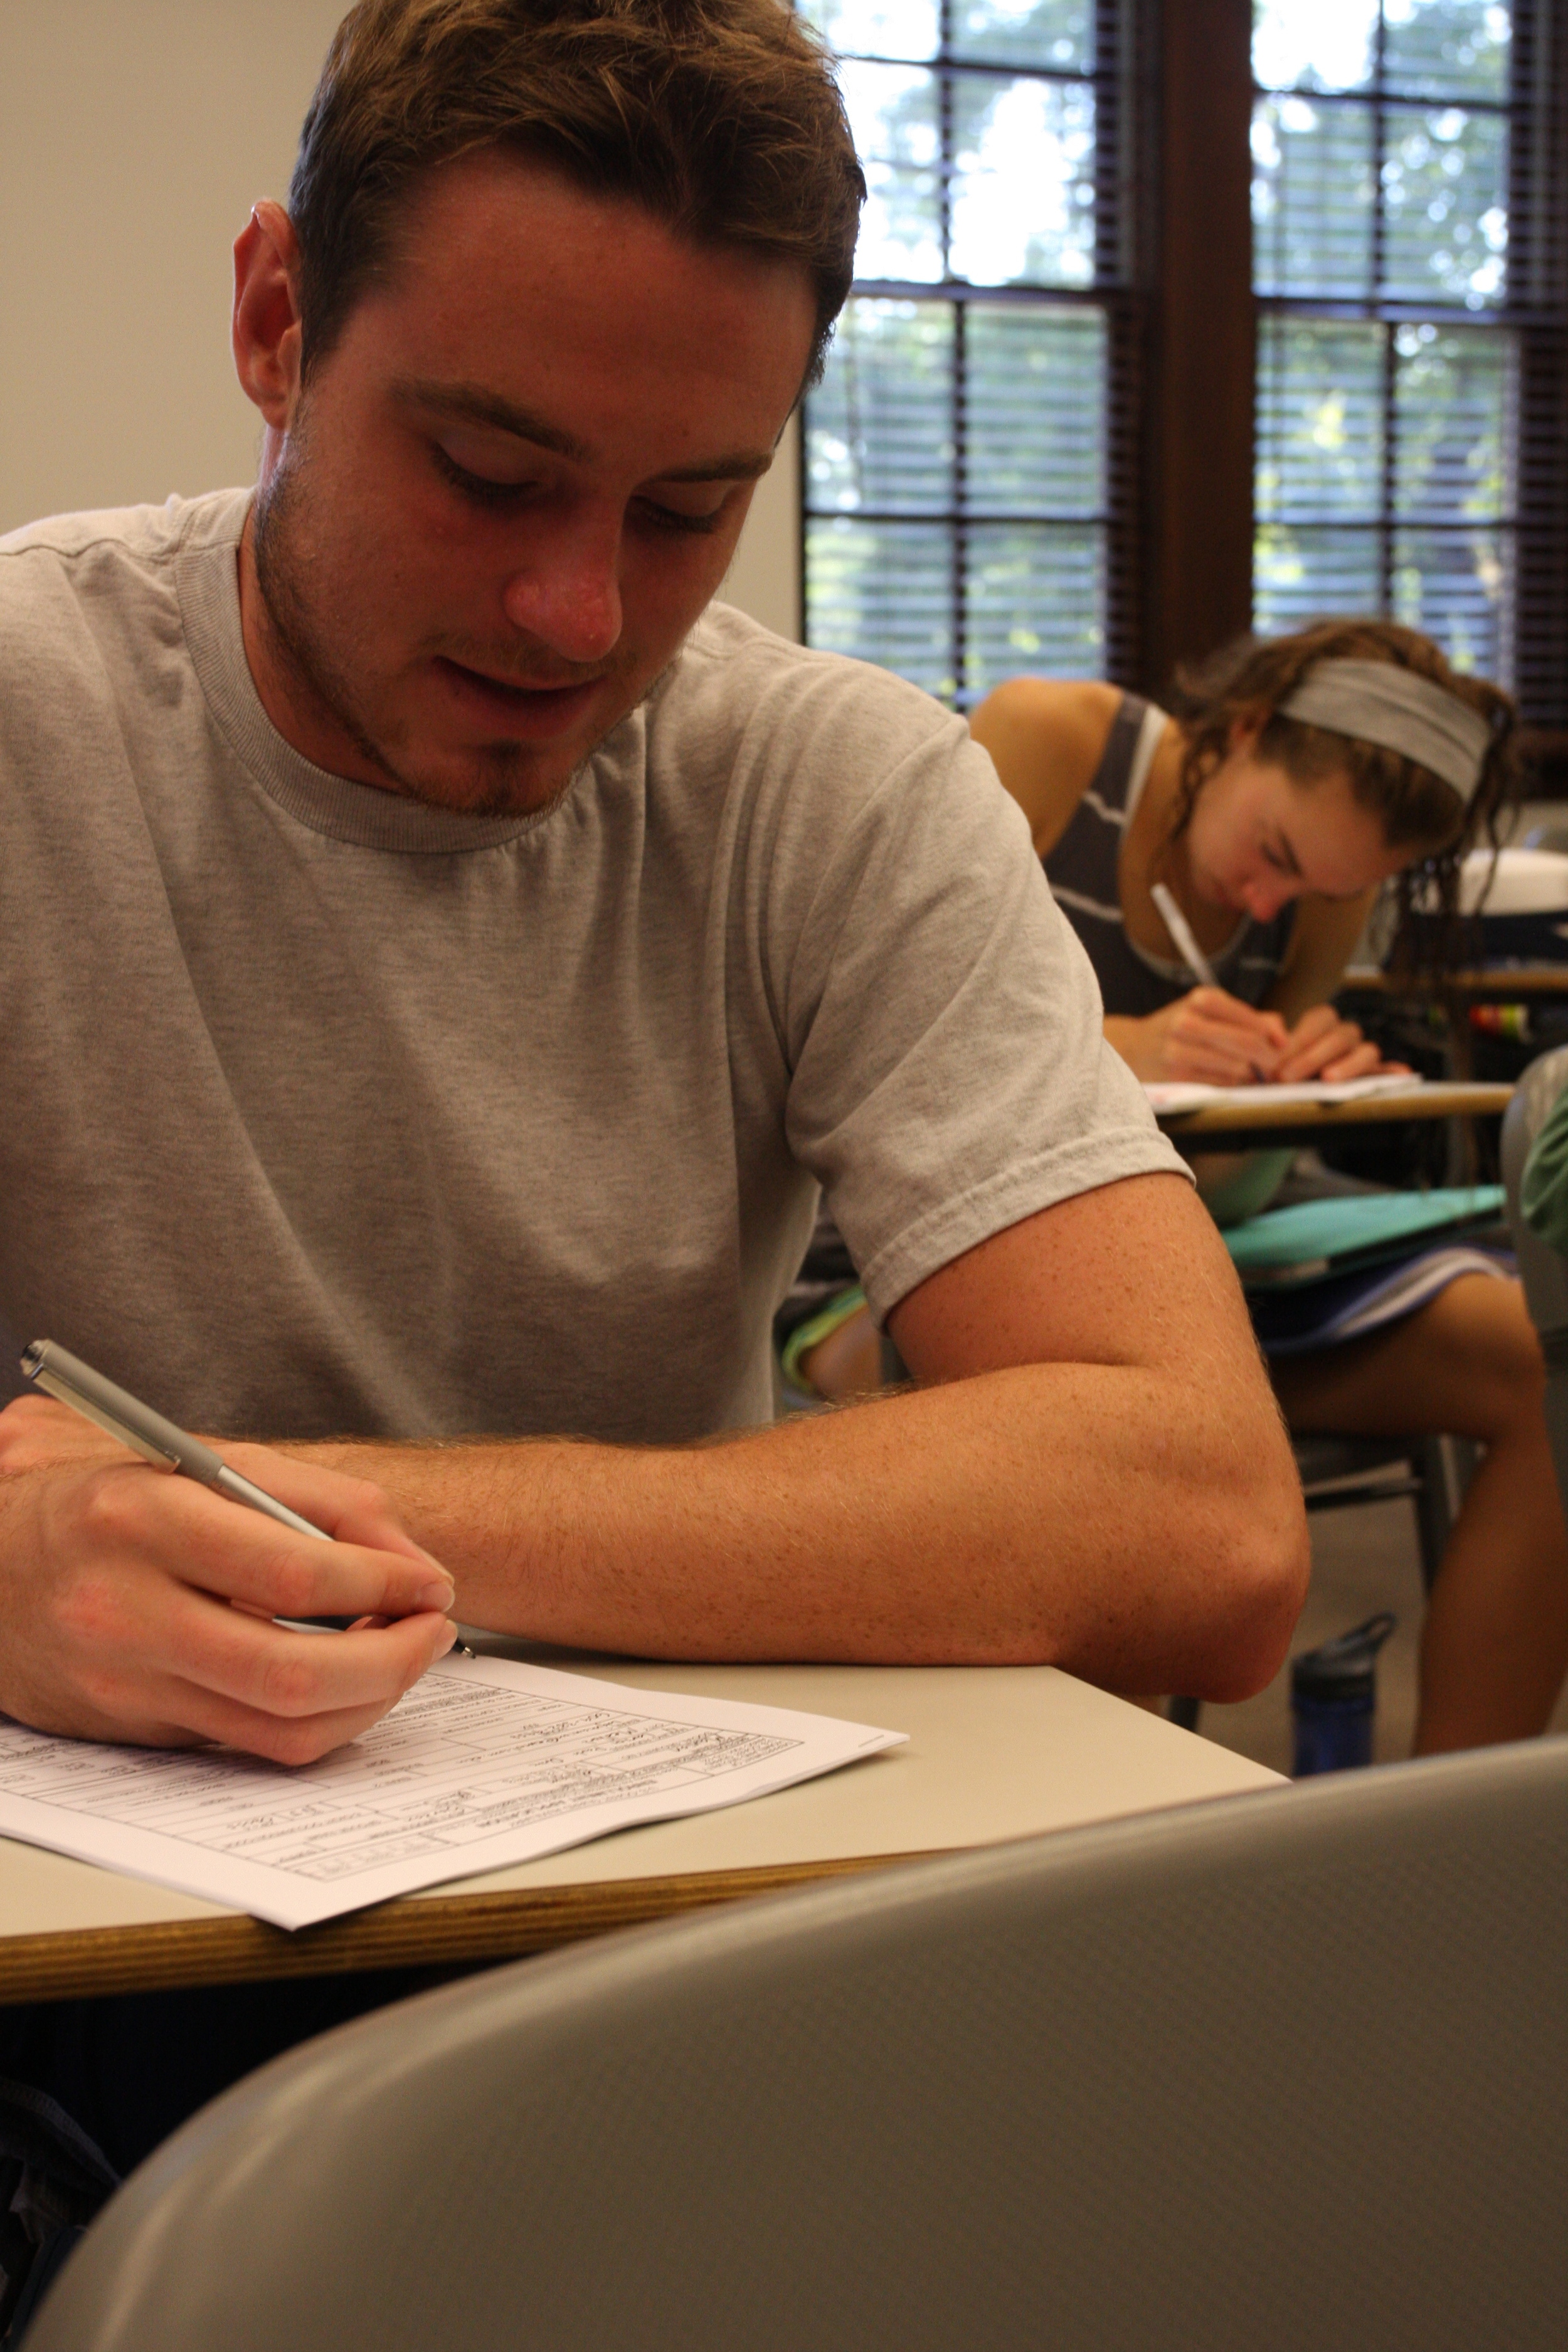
x=1284, y=787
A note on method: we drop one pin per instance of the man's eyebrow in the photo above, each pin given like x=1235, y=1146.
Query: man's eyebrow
x=470, y=404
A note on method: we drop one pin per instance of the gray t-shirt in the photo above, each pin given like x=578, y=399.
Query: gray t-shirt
x=322, y=1111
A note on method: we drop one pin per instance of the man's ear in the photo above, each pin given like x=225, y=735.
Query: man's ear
x=266, y=329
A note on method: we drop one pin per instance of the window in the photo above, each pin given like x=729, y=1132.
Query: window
x=998, y=480
x=1406, y=258
x=969, y=511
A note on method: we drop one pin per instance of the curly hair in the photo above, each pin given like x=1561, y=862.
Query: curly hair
x=722, y=117
x=1244, y=686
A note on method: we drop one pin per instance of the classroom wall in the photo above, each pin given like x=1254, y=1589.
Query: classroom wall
x=134, y=137
x=764, y=578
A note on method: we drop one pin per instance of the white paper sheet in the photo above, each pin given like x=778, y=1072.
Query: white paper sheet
x=1187, y=1094
x=485, y=1762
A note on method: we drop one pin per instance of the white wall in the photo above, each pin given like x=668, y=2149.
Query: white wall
x=134, y=137
x=764, y=578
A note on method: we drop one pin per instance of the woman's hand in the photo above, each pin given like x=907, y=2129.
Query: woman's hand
x=1322, y=1046
x=1206, y=1035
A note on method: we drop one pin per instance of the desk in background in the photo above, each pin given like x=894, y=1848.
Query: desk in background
x=1257, y=1124
x=1443, y=1013
x=1523, y=981
x=994, y=1753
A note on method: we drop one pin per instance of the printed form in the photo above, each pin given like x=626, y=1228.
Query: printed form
x=485, y=1762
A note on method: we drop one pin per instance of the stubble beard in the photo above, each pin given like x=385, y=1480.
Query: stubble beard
x=301, y=646
x=297, y=640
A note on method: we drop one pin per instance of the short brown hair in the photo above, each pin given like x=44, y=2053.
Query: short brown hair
x=719, y=116
x=1246, y=684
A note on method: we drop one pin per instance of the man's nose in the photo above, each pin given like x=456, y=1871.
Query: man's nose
x=568, y=593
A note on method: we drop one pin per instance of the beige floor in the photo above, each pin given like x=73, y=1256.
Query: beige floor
x=1362, y=1559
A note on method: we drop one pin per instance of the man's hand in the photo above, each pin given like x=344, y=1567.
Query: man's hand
x=1322, y=1046
x=137, y=1606
x=1208, y=1036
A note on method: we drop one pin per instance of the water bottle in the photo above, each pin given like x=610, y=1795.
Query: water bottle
x=1333, y=1697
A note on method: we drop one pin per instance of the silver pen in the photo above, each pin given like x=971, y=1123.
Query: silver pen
x=65, y=1376
x=61, y=1374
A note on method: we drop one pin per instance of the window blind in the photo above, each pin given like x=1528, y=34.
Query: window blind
x=969, y=509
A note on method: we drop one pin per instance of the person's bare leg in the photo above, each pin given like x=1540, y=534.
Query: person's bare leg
x=848, y=1362
x=1495, y=1647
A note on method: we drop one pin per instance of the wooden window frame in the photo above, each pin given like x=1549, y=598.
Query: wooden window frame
x=1195, y=240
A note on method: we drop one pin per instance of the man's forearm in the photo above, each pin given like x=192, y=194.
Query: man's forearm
x=1107, y=1518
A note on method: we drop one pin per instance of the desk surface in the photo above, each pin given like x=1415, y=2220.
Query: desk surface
x=1458, y=1101
x=994, y=1753
x=1494, y=980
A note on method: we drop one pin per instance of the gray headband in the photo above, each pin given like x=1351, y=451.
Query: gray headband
x=1383, y=702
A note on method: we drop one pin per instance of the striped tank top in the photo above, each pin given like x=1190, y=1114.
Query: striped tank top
x=1082, y=871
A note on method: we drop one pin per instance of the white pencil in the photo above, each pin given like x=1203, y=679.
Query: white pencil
x=1177, y=923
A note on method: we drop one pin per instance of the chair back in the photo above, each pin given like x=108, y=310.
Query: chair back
x=1282, y=2071
x=1543, y=1272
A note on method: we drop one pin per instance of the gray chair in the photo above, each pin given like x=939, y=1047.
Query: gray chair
x=1287, y=2069
x=1342, y=1471
x=1339, y=1472
x=1431, y=1473
x=1542, y=1271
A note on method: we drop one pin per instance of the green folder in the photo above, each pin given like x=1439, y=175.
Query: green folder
x=1313, y=1238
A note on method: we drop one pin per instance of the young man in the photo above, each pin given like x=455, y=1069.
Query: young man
x=442, y=963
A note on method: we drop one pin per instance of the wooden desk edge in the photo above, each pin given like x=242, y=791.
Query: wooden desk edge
x=1478, y=1100
x=164, y=1956
x=1500, y=980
